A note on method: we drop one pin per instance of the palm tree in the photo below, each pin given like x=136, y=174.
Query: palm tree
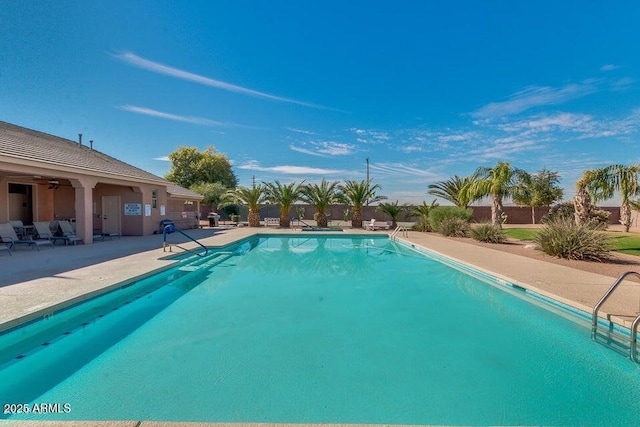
x=252, y=197
x=454, y=190
x=582, y=200
x=283, y=196
x=422, y=211
x=321, y=197
x=393, y=210
x=498, y=182
x=356, y=194
x=624, y=179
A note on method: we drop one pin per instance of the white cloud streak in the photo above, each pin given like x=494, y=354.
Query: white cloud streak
x=187, y=119
x=609, y=67
x=324, y=148
x=290, y=170
x=155, y=67
x=535, y=96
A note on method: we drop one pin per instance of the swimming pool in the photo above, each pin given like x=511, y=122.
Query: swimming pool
x=318, y=329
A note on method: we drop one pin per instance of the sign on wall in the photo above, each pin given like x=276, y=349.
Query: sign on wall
x=133, y=209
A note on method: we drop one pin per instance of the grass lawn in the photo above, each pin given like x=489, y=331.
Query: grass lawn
x=521, y=233
x=626, y=243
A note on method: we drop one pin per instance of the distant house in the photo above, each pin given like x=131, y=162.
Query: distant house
x=45, y=177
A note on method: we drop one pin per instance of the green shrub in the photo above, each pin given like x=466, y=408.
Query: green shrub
x=488, y=233
x=441, y=213
x=562, y=238
x=454, y=227
x=422, y=224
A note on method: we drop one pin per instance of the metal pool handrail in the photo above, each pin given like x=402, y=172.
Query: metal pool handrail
x=170, y=228
x=605, y=297
x=405, y=232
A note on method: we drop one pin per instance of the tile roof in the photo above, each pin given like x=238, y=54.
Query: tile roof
x=176, y=190
x=27, y=144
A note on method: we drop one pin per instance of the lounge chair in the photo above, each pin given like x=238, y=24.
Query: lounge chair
x=67, y=233
x=5, y=246
x=42, y=231
x=380, y=226
x=9, y=236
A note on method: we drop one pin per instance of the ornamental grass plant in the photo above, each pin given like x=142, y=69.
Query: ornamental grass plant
x=563, y=238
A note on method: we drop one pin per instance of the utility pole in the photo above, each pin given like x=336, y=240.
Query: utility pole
x=363, y=216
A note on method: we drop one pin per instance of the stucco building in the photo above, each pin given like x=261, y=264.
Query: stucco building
x=44, y=177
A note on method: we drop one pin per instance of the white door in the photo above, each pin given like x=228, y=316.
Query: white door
x=111, y=214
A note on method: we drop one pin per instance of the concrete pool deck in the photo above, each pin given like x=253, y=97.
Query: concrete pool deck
x=34, y=283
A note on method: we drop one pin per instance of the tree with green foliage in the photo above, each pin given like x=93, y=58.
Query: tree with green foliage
x=252, y=197
x=284, y=196
x=189, y=166
x=537, y=190
x=215, y=194
x=321, y=197
x=394, y=210
x=356, y=194
x=454, y=190
x=623, y=179
x=498, y=182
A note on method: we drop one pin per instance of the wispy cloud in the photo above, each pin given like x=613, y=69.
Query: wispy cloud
x=324, y=148
x=187, y=119
x=609, y=67
x=302, y=131
x=366, y=136
x=290, y=170
x=502, y=150
x=135, y=60
x=536, y=96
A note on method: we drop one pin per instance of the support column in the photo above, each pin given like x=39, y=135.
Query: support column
x=84, y=207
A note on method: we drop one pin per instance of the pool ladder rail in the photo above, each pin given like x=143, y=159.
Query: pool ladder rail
x=616, y=341
x=170, y=228
x=399, y=229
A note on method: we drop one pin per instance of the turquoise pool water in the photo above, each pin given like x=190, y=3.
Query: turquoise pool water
x=323, y=330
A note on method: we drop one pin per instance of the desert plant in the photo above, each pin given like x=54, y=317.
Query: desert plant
x=441, y=213
x=252, y=197
x=488, y=233
x=454, y=227
x=283, y=195
x=422, y=213
x=563, y=238
x=321, y=197
x=356, y=194
x=393, y=209
x=455, y=191
x=499, y=182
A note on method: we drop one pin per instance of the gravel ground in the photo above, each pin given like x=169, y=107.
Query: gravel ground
x=614, y=267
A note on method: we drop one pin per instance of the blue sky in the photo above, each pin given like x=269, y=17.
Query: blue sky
x=292, y=91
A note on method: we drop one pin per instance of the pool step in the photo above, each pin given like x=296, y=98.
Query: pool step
x=200, y=263
x=613, y=340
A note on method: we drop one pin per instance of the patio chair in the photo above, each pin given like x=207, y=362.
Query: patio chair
x=9, y=236
x=67, y=233
x=42, y=231
x=5, y=246
x=18, y=227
